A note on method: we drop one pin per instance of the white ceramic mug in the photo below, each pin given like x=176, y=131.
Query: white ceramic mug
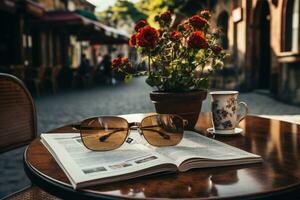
x=224, y=109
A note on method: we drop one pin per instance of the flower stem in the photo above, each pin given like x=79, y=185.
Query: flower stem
x=149, y=61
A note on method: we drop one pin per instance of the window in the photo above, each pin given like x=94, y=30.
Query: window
x=291, y=29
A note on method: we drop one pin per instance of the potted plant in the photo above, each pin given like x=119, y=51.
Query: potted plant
x=180, y=61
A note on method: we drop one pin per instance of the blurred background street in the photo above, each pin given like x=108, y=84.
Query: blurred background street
x=133, y=97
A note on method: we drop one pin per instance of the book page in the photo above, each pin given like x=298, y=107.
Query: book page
x=194, y=145
x=82, y=164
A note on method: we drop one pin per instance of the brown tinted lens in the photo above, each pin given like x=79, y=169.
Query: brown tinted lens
x=162, y=130
x=104, y=133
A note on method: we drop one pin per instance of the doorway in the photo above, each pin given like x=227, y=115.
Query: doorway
x=262, y=49
x=8, y=39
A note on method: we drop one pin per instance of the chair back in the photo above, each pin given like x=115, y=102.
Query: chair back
x=17, y=114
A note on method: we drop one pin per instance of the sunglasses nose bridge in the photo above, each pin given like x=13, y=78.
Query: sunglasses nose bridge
x=134, y=125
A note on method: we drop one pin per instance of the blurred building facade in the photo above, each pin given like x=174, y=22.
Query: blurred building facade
x=24, y=39
x=263, y=38
x=58, y=44
x=41, y=38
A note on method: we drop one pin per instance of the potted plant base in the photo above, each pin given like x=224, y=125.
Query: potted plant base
x=185, y=104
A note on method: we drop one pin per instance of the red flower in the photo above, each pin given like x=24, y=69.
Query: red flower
x=140, y=25
x=217, y=49
x=119, y=62
x=116, y=63
x=205, y=14
x=147, y=37
x=198, y=22
x=124, y=60
x=132, y=41
x=166, y=17
x=197, y=40
x=175, y=36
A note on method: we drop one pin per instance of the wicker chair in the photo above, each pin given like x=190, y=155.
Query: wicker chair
x=17, y=125
x=31, y=193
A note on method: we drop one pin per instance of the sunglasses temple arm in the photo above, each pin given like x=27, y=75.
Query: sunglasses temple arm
x=105, y=137
x=165, y=136
x=185, y=123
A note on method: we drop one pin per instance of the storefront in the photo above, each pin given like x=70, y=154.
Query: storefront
x=263, y=39
x=39, y=39
x=82, y=33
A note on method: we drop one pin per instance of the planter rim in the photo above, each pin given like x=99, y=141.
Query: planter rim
x=178, y=96
x=224, y=92
x=183, y=92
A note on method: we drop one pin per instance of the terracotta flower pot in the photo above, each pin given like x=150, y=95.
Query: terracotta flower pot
x=186, y=104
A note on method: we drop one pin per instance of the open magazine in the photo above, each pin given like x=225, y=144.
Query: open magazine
x=137, y=158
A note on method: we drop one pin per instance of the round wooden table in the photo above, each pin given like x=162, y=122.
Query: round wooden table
x=277, y=177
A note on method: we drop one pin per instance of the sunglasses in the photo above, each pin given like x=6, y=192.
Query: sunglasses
x=109, y=132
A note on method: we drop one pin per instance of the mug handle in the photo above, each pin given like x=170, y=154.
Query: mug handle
x=243, y=104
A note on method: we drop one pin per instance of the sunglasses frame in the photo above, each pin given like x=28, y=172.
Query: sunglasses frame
x=130, y=126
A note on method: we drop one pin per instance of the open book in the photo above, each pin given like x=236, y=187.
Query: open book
x=137, y=158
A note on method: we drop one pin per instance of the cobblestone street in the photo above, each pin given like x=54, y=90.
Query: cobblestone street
x=57, y=110
x=73, y=106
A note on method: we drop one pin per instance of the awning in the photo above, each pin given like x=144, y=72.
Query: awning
x=85, y=28
x=86, y=14
x=34, y=8
x=113, y=31
x=65, y=18
x=111, y=36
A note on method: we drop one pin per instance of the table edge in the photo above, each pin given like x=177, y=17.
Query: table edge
x=32, y=172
